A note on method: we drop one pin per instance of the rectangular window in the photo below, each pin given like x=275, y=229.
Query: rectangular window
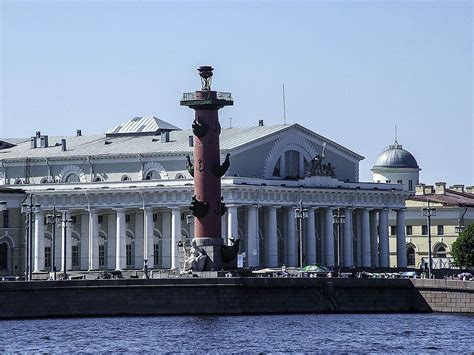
x=101, y=255
x=424, y=229
x=409, y=231
x=441, y=230
x=410, y=185
x=73, y=219
x=393, y=230
x=387, y=181
x=100, y=219
x=129, y=254
x=155, y=217
x=5, y=218
x=156, y=255
x=75, y=256
x=127, y=218
x=399, y=181
x=47, y=257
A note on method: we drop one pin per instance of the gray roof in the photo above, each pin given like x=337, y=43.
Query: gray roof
x=396, y=157
x=141, y=125
x=126, y=145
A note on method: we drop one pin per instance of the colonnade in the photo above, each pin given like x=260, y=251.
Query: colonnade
x=270, y=237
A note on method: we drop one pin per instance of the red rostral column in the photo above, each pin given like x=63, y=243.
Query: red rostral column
x=207, y=204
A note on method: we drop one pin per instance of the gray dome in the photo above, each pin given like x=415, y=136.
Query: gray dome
x=396, y=157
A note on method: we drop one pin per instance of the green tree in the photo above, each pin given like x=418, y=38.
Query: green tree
x=463, y=248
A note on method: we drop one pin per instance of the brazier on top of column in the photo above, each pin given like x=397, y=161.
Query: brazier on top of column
x=207, y=170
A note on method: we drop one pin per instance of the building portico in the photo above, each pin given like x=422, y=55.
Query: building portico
x=115, y=230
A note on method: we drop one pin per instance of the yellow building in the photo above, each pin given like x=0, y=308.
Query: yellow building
x=453, y=210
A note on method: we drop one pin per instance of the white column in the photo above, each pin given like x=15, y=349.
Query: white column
x=348, y=247
x=290, y=240
x=121, y=241
x=85, y=245
x=252, y=235
x=365, y=238
x=329, y=236
x=148, y=250
x=384, y=255
x=175, y=235
x=322, y=246
x=111, y=239
x=224, y=228
x=358, y=217
x=66, y=261
x=139, y=239
x=310, y=237
x=166, y=233
x=39, y=242
x=401, y=248
x=232, y=223
x=93, y=240
x=271, y=237
x=374, y=247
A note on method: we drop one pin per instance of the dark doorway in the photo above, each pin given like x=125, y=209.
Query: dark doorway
x=3, y=256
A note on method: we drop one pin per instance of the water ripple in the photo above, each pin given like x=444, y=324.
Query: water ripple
x=347, y=333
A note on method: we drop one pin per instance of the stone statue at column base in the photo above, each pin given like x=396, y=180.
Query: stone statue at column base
x=198, y=260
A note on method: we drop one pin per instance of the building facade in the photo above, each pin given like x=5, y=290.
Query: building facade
x=126, y=194
x=454, y=209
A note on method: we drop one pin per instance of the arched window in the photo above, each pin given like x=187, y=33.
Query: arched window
x=180, y=176
x=125, y=178
x=153, y=175
x=75, y=250
x=292, y=164
x=410, y=256
x=130, y=250
x=103, y=250
x=277, y=168
x=72, y=178
x=3, y=256
x=440, y=251
x=157, y=250
x=18, y=182
x=44, y=180
x=98, y=179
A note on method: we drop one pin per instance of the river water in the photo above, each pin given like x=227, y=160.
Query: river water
x=217, y=334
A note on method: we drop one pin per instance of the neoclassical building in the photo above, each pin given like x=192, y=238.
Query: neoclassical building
x=453, y=209
x=126, y=197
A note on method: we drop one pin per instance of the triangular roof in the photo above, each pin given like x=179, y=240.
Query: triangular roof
x=141, y=125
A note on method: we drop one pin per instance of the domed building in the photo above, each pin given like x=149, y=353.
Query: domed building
x=396, y=165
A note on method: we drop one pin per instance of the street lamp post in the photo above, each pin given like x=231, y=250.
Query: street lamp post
x=52, y=220
x=29, y=209
x=339, y=219
x=66, y=223
x=428, y=212
x=300, y=214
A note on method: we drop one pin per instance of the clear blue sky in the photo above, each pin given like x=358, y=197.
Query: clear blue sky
x=352, y=70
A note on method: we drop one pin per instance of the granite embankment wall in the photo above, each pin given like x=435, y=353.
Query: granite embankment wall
x=229, y=296
x=447, y=295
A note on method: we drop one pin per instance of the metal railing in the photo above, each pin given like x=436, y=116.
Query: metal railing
x=191, y=96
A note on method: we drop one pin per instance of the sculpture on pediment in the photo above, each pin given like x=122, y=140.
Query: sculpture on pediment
x=317, y=168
